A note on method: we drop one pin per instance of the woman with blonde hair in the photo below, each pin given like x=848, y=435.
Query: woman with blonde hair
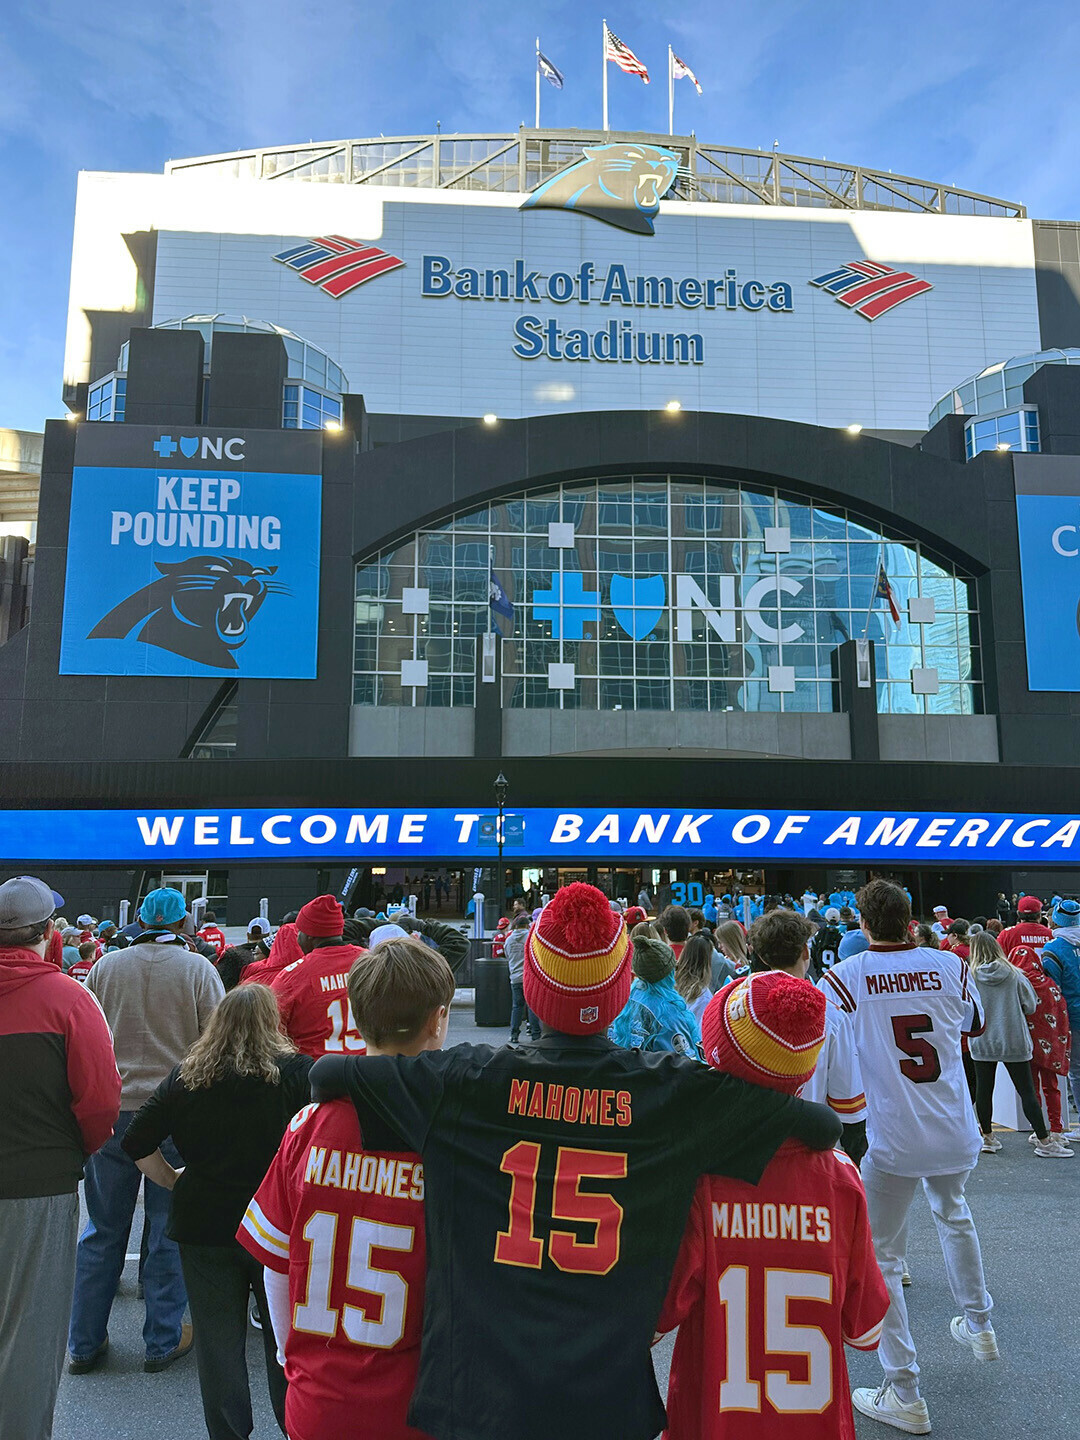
x=732, y=954
x=1007, y=1000
x=226, y=1107
x=693, y=972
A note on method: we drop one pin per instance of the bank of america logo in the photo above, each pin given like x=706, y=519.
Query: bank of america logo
x=336, y=264
x=871, y=289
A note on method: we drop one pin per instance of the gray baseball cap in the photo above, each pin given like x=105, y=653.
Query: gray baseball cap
x=26, y=901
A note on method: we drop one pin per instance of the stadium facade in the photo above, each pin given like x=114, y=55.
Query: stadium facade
x=670, y=479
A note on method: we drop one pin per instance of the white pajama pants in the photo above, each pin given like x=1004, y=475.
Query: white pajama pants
x=888, y=1199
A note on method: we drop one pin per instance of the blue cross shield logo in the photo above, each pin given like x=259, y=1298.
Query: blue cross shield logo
x=638, y=604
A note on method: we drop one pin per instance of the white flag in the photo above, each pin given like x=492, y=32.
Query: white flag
x=681, y=71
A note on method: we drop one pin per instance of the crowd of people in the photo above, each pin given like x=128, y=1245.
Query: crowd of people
x=708, y=1123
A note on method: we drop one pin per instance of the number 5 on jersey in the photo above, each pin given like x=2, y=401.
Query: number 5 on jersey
x=344, y=1037
x=519, y=1244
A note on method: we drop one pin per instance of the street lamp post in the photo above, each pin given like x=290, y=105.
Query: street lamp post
x=502, y=785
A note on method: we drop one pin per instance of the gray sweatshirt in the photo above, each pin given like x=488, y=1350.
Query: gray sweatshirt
x=1007, y=997
x=514, y=950
x=157, y=997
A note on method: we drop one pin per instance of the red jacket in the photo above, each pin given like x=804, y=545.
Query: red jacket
x=283, y=951
x=213, y=936
x=58, y=1077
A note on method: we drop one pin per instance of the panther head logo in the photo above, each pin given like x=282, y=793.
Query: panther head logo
x=622, y=184
x=200, y=608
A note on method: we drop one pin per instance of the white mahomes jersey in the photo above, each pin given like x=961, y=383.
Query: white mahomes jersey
x=837, y=1080
x=909, y=1009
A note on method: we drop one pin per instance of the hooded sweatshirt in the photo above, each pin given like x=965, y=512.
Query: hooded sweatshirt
x=58, y=1078
x=656, y=1017
x=1061, y=961
x=514, y=951
x=1007, y=999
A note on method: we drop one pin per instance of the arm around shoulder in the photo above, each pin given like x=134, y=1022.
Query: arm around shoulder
x=816, y=1125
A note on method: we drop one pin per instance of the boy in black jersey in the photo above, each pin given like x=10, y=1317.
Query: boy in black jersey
x=559, y=1177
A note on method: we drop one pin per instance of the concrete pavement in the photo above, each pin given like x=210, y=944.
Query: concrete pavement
x=1027, y=1213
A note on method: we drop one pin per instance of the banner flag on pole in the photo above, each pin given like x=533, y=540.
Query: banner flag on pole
x=623, y=56
x=551, y=73
x=884, y=591
x=682, y=71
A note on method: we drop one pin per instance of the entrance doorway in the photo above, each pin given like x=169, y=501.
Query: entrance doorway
x=192, y=887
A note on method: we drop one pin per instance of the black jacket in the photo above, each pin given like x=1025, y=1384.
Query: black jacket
x=227, y=1134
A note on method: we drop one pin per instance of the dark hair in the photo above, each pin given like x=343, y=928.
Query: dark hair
x=885, y=910
x=697, y=917
x=522, y=921
x=693, y=968
x=394, y=988
x=290, y=917
x=779, y=938
x=846, y=913
x=926, y=937
x=980, y=920
x=23, y=936
x=208, y=915
x=959, y=927
x=676, y=923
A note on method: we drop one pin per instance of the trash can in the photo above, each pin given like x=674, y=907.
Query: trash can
x=491, y=981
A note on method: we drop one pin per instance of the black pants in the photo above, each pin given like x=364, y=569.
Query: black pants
x=969, y=1073
x=219, y=1280
x=1019, y=1072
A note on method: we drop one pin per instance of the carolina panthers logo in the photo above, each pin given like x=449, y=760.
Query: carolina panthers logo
x=201, y=608
x=622, y=184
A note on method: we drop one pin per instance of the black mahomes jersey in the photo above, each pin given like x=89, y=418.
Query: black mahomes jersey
x=558, y=1181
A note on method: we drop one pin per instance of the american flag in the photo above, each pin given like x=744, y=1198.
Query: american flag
x=624, y=57
x=336, y=264
x=884, y=591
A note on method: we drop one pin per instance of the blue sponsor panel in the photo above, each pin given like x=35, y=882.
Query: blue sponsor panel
x=1049, y=528
x=185, y=561
x=835, y=837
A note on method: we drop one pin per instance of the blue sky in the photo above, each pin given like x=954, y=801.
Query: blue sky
x=981, y=95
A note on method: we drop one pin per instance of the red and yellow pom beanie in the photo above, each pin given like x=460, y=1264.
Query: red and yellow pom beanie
x=768, y=1028
x=577, y=962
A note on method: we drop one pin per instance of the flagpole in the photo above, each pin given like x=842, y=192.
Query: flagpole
x=670, y=91
x=604, y=53
x=538, y=82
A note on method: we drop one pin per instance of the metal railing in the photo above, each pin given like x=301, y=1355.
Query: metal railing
x=517, y=162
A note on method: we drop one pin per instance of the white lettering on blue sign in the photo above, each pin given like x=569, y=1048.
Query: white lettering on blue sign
x=125, y=836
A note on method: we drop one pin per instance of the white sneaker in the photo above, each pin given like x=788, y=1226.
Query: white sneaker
x=1051, y=1150
x=1073, y=1134
x=885, y=1405
x=982, y=1343
x=990, y=1144
x=1060, y=1141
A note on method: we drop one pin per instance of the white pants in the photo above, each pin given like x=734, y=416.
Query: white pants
x=888, y=1199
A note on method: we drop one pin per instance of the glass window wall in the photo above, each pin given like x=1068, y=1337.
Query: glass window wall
x=672, y=596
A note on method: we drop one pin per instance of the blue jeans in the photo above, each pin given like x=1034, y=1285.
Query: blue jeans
x=111, y=1189
x=520, y=1011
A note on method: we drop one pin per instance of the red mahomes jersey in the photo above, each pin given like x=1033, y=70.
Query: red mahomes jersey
x=213, y=936
x=1026, y=932
x=347, y=1226
x=314, y=1004
x=771, y=1282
